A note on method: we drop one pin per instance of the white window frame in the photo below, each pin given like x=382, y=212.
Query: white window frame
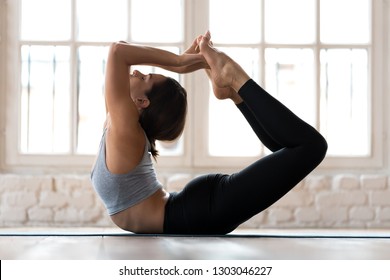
x=376, y=55
x=195, y=157
x=14, y=159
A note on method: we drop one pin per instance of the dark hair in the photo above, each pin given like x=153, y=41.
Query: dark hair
x=164, y=118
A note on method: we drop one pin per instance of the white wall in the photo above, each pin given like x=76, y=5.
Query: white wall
x=342, y=201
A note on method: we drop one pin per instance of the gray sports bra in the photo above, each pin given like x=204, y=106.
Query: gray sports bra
x=121, y=191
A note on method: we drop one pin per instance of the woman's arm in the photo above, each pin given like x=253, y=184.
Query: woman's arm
x=144, y=55
x=193, y=49
x=183, y=69
x=121, y=56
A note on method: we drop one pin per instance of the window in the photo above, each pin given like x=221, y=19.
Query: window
x=50, y=52
x=303, y=52
x=306, y=54
x=63, y=50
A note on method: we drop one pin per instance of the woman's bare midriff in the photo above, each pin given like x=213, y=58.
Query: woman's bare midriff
x=144, y=217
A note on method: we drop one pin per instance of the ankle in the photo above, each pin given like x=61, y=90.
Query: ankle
x=236, y=98
x=239, y=77
x=239, y=80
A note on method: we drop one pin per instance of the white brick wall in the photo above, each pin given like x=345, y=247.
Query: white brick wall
x=50, y=201
x=342, y=201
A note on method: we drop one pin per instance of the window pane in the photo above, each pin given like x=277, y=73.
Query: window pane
x=229, y=132
x=235, y=21
x=102, y=20
x=290, y=78
x=45, y=20
x=345, y=101
x=45, y=105
x=91, y=106
x=157, y=21
x=289, y=21
x=174, y=148
x=345, y=21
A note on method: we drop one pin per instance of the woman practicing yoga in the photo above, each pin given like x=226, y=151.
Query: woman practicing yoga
x=144, y=108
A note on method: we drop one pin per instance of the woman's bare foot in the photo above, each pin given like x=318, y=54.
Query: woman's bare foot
x=224, y=72
x=224, y=92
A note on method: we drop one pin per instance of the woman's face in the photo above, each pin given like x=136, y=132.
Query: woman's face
x=140, y=84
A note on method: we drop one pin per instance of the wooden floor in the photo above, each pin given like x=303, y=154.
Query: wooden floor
x=113, y=244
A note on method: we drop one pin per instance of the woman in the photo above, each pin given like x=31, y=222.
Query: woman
x=136, y=108
x=209, y=204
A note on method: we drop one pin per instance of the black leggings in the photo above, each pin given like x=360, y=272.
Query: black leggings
x=218, y=203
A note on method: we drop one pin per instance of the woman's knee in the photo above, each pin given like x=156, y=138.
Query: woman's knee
x=318, y=148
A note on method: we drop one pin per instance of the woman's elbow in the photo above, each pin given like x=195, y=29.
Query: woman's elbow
x=115, y=47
